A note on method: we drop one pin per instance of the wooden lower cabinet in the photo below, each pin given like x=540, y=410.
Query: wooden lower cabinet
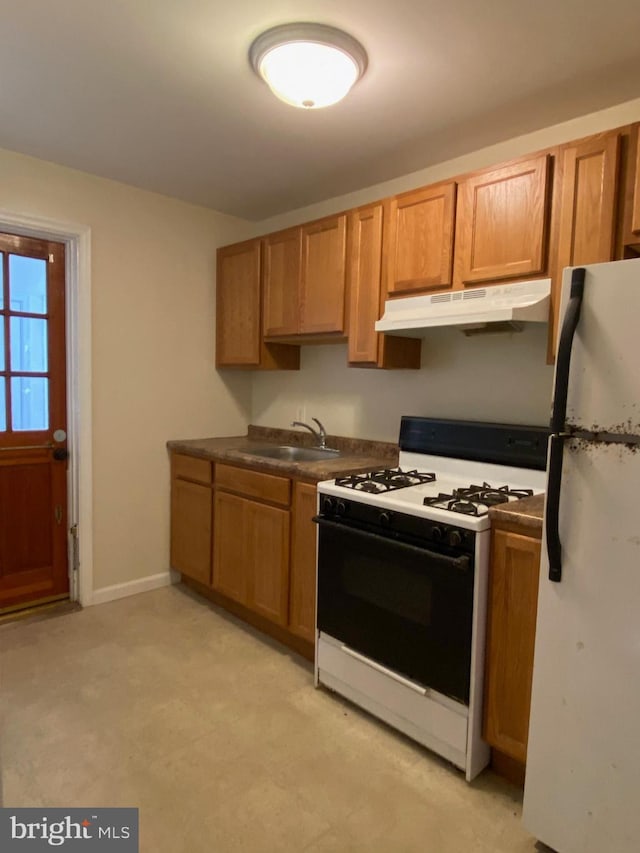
x=230, y=574
x=191, y=517
x=511, y=628
x=248, y=543
x=267, y=560
x=251, y=554
x=302, y=595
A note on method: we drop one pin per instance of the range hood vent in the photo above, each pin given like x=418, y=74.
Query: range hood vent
x=509, y=306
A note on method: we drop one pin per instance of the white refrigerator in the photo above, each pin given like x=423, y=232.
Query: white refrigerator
x=582, y=787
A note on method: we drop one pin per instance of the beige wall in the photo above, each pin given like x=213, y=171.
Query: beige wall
x=501, y=377
x=153, y=378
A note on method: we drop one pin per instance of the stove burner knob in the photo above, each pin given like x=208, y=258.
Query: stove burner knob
x=327, y=505
x=385, y=518
x=341, y=508
x=455, y=538
x=436, y=534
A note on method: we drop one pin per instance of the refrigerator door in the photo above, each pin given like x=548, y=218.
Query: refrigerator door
x=604, y=383
x=583, y=760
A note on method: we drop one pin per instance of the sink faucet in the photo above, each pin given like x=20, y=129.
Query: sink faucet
x=319, y=434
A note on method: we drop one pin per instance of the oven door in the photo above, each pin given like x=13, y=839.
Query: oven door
x=404, y=605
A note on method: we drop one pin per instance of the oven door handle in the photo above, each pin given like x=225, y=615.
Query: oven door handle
x=461, y=564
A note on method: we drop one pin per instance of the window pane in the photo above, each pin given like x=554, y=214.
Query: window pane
x=3, y=406
x=1, y=343
x=29, y=402
x=1, y=280
x=27, y=284
x=28, y=339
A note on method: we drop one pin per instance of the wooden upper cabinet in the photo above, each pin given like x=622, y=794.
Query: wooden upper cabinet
x=635, y=205
x=511, y=631
x=239, y=340
x=588, y=177
x=238, y=331
x=323, y=276
x=368, y=348
x=502, y=223
x=364, y=270
x=589, y=174
x=420, y=239
x=281, y=283
x=630, y=232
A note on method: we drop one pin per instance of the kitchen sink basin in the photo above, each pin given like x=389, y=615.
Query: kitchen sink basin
x=294, y=454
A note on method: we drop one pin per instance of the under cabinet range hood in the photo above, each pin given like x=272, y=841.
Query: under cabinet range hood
x=503, y=307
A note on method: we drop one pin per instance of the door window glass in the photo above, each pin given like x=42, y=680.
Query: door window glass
x=28, y=338
x=24, y=343
x=27, y=284
x=29, y=403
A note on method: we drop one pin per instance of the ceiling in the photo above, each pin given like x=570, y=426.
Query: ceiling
x=160, y=94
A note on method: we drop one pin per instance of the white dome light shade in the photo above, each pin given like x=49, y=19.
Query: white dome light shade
x=308, y=65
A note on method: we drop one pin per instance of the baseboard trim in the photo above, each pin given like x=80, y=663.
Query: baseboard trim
x=124, y=590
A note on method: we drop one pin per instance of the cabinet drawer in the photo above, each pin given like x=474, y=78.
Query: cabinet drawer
x=254, y=484
x=190, y=468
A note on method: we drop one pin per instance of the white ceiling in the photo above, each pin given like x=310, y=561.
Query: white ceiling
x=160, y=94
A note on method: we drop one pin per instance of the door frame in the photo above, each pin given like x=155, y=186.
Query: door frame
x=77, y=241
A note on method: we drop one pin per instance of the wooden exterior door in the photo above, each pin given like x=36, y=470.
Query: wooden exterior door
x=33, y=447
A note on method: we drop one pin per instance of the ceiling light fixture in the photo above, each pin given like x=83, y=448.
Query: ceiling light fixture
x=308, y=65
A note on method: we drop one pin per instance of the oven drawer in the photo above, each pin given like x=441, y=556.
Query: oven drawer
x=434, y=720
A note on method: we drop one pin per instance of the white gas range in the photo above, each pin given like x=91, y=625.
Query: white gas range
x=403, y=558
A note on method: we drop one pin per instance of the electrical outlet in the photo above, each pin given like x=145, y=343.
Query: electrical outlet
x=301, y=413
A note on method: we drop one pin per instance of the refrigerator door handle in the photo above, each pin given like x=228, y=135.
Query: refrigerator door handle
x=554, y=480
x=558, y=435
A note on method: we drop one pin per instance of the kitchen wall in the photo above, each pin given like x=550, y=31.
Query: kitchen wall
x=153, y=375
x=499, y=377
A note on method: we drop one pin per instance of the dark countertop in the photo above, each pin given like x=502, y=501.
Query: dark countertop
x=527, y=512
x=356, y=455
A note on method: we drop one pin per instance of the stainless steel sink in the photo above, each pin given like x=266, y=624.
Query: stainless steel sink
x=294, y=454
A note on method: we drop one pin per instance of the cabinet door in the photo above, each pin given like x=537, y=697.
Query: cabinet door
x=323, y=278
x=420, y=239
x=239, y=340
x=238, y=331
x=635, y=198
x=302, y=598
x=511, y=628
x=502, y=223
x=588, y=201
x=266, y=534
x=368, y=348
x=230, y=572
x=191, y=529
x=281, y=283
x=365, y=268
x=587, y=218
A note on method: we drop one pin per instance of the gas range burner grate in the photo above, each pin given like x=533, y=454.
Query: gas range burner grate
x=385, y=480
x=476, y=500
